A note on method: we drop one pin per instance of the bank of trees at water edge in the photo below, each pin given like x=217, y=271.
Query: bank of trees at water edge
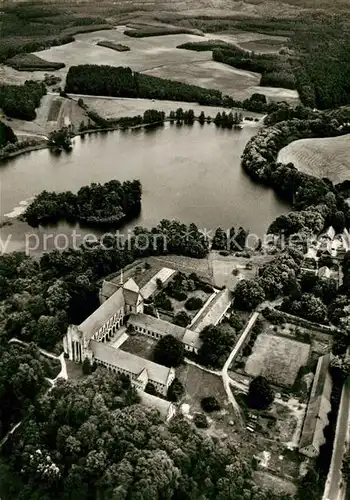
x=97, y=204
x=317, y=202
x=20, y=101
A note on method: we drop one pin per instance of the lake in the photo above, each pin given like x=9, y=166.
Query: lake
x=188, y=173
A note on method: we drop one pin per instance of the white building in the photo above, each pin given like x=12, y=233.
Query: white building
x=119, y=304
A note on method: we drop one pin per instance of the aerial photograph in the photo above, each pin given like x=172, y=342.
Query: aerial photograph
x=174, y=250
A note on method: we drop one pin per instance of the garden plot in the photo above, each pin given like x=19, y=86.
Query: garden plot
x=320, y=342
x=278, y=359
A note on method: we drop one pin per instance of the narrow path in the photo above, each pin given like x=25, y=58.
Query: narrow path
x=233, y=354
x=208, y=370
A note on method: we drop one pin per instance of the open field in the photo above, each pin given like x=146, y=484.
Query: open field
x=278, y=359
x=117, y=107
x=327, y=157
x=320, y=343
x=159, y=56
x=264, y=46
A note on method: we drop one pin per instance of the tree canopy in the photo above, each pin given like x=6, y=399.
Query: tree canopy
x=169, y=351
x=260, y=394
x=91, y=439
x=217, y=342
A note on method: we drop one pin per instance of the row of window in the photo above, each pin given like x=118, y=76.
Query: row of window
x=110, y=367
x=158, y=336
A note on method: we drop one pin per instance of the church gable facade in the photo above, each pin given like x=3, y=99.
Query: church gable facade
x=121, y=303
x=103, y=323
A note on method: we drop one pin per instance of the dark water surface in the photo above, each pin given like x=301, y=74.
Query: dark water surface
x=189, y=173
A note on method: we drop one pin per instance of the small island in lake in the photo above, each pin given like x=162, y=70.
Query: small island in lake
x=98, y=204
x=119, y=47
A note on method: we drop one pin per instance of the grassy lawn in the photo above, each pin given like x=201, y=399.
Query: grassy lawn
x=74, y=370
x=278, y=359
x=140, y=345
x=199, y=384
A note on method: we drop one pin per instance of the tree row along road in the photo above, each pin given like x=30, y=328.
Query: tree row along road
x=233, y=354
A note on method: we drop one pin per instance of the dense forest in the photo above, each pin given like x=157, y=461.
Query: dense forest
x=22, y=379
x=91, y=439
x=123, y=82
x=322, y=69
x=7, y=135
x=20, y=101
x=111, y=203
x=275, y=69
x=319, y=50
x=33, y=26
x=39, y=299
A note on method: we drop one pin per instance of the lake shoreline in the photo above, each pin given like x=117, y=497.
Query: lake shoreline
x=114, y=128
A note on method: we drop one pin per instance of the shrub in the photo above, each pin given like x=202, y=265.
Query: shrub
x=200, y=421
x=175, y=391
x=206, y=288
x=210, y=404
x=179, y=295
x=86, y=367
x=182, y=319
x=163, y=302
x=150, y=389
x=260, y=394
x=149, y=309
x=193, y=304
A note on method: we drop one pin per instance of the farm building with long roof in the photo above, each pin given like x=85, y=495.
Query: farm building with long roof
x=316, y=419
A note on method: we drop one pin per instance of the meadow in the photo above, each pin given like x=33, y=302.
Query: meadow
x=326, y=157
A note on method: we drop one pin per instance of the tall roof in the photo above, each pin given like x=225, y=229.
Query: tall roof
x=316, y=417
x=129, y=362
x=131, y=297
x=188, y=337
x=102, y=314
x=164, y=407
x=130, y=284
x=192, y=339
x=151, y=286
